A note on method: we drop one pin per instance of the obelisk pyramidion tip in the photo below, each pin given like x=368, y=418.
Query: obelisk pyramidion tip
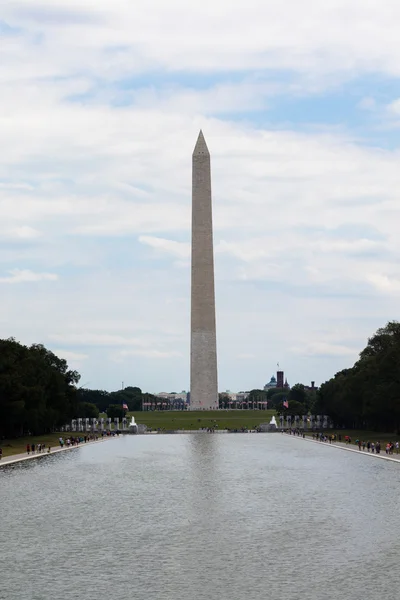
x=201, y=146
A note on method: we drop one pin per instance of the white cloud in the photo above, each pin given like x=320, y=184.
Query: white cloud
x=394, y=107
x=26, y=276
x=71, y=356
x=367, y=103
x=384, y=283
x=149, y=353
x=179, y=249
x=100, y=339
x=111, y=39
x=25, y=232
x=224, y=99
x=15, y=186
x=325, y=349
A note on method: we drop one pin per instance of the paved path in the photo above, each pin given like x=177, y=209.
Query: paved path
x=352, y=448
x=15, y=458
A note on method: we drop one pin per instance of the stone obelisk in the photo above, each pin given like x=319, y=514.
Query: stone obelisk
x=203, y=350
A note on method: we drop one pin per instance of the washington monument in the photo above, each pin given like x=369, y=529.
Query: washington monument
x=203, y=344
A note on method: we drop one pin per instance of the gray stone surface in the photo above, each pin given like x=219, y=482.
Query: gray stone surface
x=203, y=350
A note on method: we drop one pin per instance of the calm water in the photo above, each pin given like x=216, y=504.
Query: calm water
x=214, y=517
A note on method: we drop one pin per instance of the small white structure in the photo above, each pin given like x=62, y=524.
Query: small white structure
x=133, y=427
x=273, y=422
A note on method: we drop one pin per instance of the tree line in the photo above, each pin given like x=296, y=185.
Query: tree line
x=367, y=395
x=39, y=393
x=301, y=399
x=37, y=389
x=112, y=402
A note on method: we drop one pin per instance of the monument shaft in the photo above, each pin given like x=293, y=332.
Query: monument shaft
x=203, y=351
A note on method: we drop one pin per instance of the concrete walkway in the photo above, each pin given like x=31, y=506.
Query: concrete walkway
x=351, y=448
x=16, y=458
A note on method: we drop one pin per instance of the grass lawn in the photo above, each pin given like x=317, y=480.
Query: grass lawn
x=225, y=419
x=18, y=445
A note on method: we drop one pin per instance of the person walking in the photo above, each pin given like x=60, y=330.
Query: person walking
x=28, y=449
x=1, y=453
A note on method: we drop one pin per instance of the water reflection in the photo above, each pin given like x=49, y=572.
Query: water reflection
x=204, y=516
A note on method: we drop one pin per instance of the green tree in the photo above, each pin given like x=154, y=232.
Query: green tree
x=368, y=394
x=257, y=396
x=100, y=398
x=223, y=399
x=132, y=396
x=88, y=410
x=298, y=393
x=276, y=401
x=296, y=408
x=115, y=411
x=272, y=391
x=37, y=390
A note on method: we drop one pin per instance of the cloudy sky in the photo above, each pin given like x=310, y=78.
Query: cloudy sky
x=100, y=107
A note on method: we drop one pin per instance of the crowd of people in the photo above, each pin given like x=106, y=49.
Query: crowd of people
x=375, y=447
x=72, y=440
x=37, y=448
x=363, y=445
x=76, y=440
x=295, y=431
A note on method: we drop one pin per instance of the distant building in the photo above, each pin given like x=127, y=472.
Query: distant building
x=233, y=398
x=174, y=399
x=280, y=379
x=236, y=396
x=277, y=382
x=271, y=384
x=241, y=396
x=312, y=387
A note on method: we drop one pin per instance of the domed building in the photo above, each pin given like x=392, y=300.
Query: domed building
x=272, y=384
